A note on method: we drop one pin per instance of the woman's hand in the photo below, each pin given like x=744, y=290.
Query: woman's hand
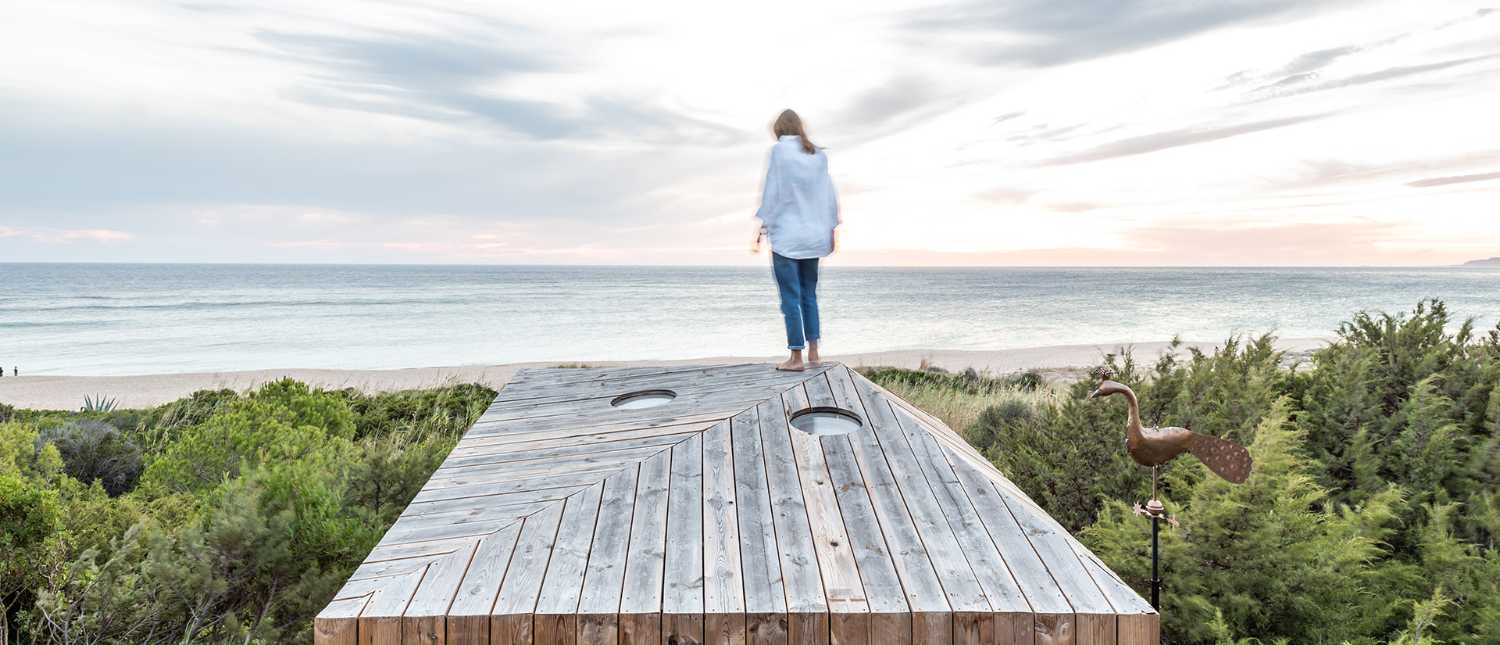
x=760, y=231
x=833, y=244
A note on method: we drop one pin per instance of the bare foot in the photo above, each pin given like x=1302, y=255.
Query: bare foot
x=812, y=353
x=793, y=364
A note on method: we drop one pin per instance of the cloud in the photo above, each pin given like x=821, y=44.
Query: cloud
x=1376, y=76
x=1455, y=179
x=448, y=77
x=1158, y=141
x=1005, y=195
x=1043, y=33
x=1316, y=60
x=879, y=105
x=1327, y=172
x=67, y=235
x=174, y=164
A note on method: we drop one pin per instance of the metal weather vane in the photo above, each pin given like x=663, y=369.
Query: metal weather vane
x=1156, y=446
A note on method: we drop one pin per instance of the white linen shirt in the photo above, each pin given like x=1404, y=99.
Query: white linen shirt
x=798, y=207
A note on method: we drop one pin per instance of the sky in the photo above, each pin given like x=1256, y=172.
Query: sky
x=1027, y=132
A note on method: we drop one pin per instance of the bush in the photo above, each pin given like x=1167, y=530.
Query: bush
x=96, y=451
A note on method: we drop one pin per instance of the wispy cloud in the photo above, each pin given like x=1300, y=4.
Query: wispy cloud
x=1280, y=89
x=1455, y=179
x=444, y=77
x=67, y=235
x=1157, y=141
x=1046, y=32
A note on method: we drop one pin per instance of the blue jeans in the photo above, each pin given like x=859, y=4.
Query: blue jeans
x=797, y=281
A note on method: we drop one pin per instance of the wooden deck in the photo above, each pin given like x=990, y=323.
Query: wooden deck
x=562, y=519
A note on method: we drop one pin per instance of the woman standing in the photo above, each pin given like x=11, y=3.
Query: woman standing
x=799, y=211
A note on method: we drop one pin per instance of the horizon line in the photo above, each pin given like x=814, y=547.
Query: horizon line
x=718, y=266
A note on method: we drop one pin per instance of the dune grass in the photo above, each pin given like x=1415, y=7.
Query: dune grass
x=959, y=398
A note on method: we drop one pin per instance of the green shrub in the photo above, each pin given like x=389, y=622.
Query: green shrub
x=96, y=451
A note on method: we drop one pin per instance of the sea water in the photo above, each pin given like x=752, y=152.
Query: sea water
x=109, y=319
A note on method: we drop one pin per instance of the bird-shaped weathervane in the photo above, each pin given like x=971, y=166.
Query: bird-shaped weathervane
x=1156, y=446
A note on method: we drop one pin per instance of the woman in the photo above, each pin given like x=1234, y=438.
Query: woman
x=799, y=212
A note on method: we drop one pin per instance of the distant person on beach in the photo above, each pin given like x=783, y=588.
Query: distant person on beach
x=799, y=212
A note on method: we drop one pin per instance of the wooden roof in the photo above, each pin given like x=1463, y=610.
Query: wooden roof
x=560, y=518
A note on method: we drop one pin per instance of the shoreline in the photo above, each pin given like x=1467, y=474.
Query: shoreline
x=60, y=392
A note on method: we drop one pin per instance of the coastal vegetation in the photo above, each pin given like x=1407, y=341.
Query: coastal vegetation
x=1371, y=515
x=1373, y=509
x=222, y=517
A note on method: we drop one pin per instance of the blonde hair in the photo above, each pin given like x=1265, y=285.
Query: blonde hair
x=789, y=123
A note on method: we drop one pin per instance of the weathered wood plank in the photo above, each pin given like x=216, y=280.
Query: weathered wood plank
x=555, y=621
x=1124, y=599
x=554, y=629
x=470, y=503
x=932, y=618
x=380, y=621
x=877, y=571
x=932, y=628
x=640, y=629
x=880, y=586
x=767, y=629
x=1139, y=629
x=885, y=442
x=474, y=455
x=1096, y=629
x=457, y=526
x=891, y=629
x=510, y=620
x=849, y=628
x=1031, y=574
x=808, y=628
x=518, y=471
x=645, y=565
x=970, y=628
x=794, y=538
x=682, y=596
x=469, y=614
x=765, y=592
x=338, y=623
x=603, y=579
x=423, y=621
x=1051, y=543
x=561, y=480
x=724, y=585
x=845, y=591
x=725, y=629
x=991, y=570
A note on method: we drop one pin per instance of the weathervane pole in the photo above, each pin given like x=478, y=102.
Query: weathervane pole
x=1155, y=510
x=1155, y=563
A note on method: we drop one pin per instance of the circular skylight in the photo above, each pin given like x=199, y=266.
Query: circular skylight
x=823, y=422
x=643, y=399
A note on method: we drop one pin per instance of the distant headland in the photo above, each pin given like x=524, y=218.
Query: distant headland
x=1487, y=262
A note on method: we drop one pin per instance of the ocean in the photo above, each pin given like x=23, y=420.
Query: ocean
x=115, y=319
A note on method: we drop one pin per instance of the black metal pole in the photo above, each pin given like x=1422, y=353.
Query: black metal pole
x=1155, y=564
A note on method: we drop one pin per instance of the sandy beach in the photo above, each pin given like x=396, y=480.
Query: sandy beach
x=68, y=392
